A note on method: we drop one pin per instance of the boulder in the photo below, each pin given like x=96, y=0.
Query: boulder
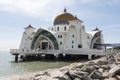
x=59, y=75
x=102, y=62
x=76, y=65
x=44, y=77
x=105, y=67
x=90, y=63
x=78, y=74
x=96, y=75
x=77, y=79
x=88, y=69
x=96, y=66
x=114, y=71
x=118, y=77
x=101, y=70
x=64, y=69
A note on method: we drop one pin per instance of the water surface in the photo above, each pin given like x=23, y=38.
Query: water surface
x=8, y=67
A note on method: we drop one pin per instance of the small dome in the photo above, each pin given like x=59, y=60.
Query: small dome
x=64, y=18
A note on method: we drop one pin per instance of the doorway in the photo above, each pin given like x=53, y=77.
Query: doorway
x=44, y=45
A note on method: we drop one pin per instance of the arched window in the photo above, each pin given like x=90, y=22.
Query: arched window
x=58, y=36
x=58, y=28
x=65, y=28
x=72, y=41
x=61, y=36
x=72, y=46
x=79, y=46
x=87, y=37
x=73, y=35
x=52, y=29
x=60, y=43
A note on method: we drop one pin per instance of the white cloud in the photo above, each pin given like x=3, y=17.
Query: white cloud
x=35, y=8
x=43, y=8
x=111, y=27
x=87, y=1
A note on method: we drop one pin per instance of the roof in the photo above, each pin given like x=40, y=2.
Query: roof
x=64, y=18
x=92, y=32
x=29, y=26
x=96, y=29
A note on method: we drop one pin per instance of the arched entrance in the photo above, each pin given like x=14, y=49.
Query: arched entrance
x=43, y=43
x=44, y=39
x=96, y=40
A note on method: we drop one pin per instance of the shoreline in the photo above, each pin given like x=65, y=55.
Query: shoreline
x=17, y=76
x=105, y=68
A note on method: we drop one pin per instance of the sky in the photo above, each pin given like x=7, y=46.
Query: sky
x=15, y=15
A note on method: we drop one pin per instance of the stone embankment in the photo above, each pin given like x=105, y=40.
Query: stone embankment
x=105, y=68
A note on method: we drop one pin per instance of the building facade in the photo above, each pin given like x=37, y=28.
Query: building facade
x=67, y=34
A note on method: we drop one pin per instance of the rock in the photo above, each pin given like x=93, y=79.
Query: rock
x=77, y=79
x=90, y=63
x=64, y=69
x=102, y=62
x=110, y=79
x=105, y=74
x=59, y=75
x=96, y=75
x=105, y=67
x=96, y=66
x=118, y=77
x=63, y=78
x=36, y=75
x=76, y=65
x=56, y=73
x=88, y=69
x=114, y=71
x=111, y=58
x=43, y=77
x=101, y=70
x=78, y=74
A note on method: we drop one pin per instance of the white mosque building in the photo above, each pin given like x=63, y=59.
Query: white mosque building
x=66, y=36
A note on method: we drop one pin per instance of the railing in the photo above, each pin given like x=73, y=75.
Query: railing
x=14, y=51
x=79, y=51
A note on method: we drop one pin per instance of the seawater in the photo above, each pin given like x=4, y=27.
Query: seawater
x=8, y=67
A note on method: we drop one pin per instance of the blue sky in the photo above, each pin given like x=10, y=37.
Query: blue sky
x=15, y=15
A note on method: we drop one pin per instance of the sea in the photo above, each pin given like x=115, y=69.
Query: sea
x=8, y=67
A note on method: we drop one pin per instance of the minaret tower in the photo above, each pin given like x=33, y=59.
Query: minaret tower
x=27, y=38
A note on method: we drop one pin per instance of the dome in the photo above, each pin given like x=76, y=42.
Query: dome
x=64, y=18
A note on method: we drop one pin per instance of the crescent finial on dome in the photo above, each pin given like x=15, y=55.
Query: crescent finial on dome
x=65, y=10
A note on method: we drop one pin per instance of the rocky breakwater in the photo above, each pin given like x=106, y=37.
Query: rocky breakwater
x=105, y=68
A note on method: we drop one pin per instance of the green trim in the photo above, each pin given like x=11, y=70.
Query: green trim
x=46, y=34
x=95, y=36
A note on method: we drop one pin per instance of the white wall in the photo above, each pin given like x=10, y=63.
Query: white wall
x=26, y=39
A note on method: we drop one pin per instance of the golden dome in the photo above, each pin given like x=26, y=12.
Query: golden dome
x=64, y=18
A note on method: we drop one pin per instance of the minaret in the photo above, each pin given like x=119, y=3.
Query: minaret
x=27, y=38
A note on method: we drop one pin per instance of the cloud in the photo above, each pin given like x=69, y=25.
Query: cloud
x=112, y=27
x=36, y=8
x=101, y=2
x=43, y=8
x=87, y=1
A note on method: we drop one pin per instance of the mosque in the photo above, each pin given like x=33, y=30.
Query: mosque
x=66, y=36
